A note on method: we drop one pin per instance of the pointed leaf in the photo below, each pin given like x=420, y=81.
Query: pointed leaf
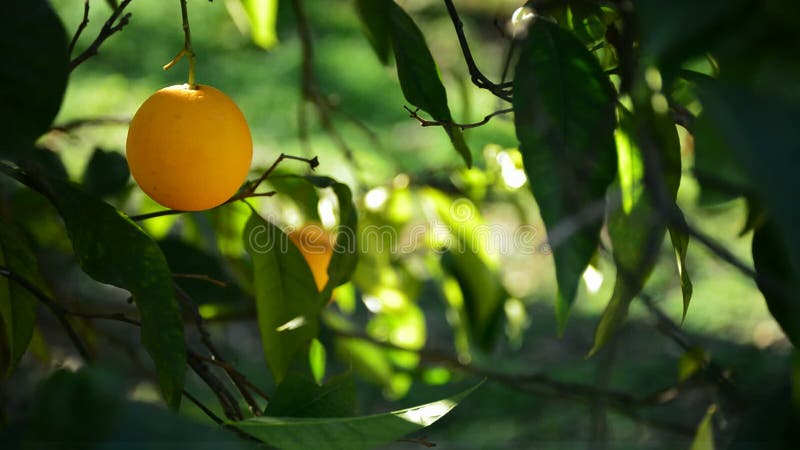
x=680, y=243
x=636, y=233
x=345, y=252
x=317, y=360
x=33, y=76
x=346, y=433
x=300, y=397
x=564, y=116
x=704, y=438
x=107, y=173
x=114, y=250
x=287, y=300
x=419, y=77
x=17, y=305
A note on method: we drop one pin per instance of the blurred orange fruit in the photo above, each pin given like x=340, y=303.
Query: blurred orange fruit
x=189, y=149
x=316, y=245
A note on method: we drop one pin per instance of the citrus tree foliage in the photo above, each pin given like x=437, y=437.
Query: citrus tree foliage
x=614, y=105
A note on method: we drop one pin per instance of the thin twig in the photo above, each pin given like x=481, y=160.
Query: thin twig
x=503, y=90
x=109, y=28
x=187, y=48
x=95, y=121
x=55, y=308
x=414, y=114
x=81, y=27
x=172, y=212
x=205, y=338
x=201, y=277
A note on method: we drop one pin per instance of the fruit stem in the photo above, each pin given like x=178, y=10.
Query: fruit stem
x=187, y=47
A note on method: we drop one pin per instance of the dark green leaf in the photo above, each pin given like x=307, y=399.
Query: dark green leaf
x=346, y=433
x=33, y=76
x=716, y=168
x=302, y=193
x=564, y=116
x=107, y=173
x=300, y=397
x=114, y=250
x=419, y=77
x=680, y=243
x=763, y=135
x=17, y=305
x=287, y=301
x=772, y=261
x=42, y=160
x=376, y=25
x=74, y=410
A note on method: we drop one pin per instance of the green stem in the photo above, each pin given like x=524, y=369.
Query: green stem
x=187, y=45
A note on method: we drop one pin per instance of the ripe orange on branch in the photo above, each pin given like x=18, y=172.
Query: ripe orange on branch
x=189, y=149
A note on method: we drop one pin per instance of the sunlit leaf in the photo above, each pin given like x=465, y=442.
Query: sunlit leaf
x=300, y=397
x=564, y=116
x=636, y=233
x=33, y=76
x=114, y=250
x=419, y=76
x=680, y=244
x=287, y=300
x=316, y=359
x=17, y=304
x=262, y=16
x=350, y=433
x=704, y=437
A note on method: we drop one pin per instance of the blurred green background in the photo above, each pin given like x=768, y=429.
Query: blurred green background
x=727, y=318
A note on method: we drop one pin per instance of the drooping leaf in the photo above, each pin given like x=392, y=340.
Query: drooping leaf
x=637, y=227
x=287, y=300
x=716, y=168
x=114, y=250
x=107, y=173
x=346, y=433
x=17, y=304
x=262, y=16
x=33, y=76
x=704, y=437
x=300, y=397
x=564, y=117
x=376, y=26
x=419, y=76
x=680, y=243
x=773, y=262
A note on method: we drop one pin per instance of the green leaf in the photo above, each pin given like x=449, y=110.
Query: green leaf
x=419, y=76
x=316, y=359
x=107, y=173
x=287, y=301
x=762, y=132
x=564, y=116
x=376, y=26
x=114, y=250
x=680, y=243
x=482, y=291
x=637, y=231
x=345, y=249
x=772, y=261
x=300, y=397
x=704, y=438
x=262, y=16
x=17, y=305
x=347, y=433
x=33, y=76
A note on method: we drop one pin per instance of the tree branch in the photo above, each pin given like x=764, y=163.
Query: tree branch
x=109, y=28
x=81, y=27
x=503, y=90
x=414, y=114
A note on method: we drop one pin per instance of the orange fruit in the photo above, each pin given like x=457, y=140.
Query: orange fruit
x=316, y=245
x=189, y=149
